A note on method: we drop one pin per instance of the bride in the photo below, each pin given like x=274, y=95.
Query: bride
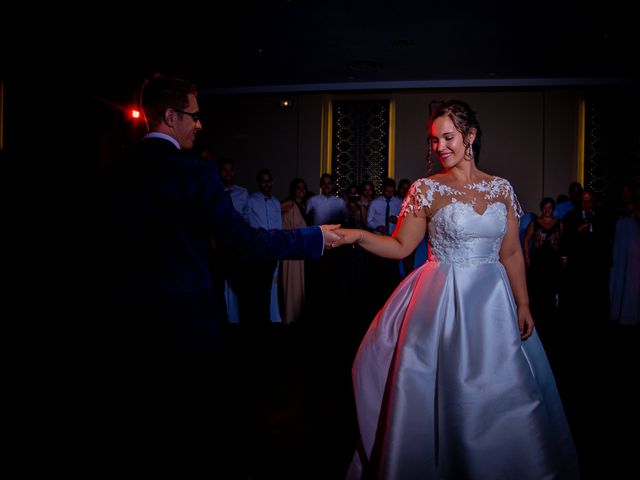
x=451, y=380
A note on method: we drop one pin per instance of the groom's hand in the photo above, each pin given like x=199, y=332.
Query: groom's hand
x=348, y=236
x=329, y=235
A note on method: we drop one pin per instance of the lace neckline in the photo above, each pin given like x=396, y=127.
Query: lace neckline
x=481, y=186
x=425, y=191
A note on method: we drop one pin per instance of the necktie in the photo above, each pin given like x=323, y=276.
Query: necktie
x=386, y=217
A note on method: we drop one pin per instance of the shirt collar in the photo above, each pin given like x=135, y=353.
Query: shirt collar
x=164, y=136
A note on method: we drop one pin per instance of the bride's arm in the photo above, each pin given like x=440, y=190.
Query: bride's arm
x=409, y=232
x=512, y=259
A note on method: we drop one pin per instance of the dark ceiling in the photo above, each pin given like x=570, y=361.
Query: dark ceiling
x=314, y=45
x=305, y=43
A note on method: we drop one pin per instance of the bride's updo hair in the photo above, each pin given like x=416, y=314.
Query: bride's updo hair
x=464, y=120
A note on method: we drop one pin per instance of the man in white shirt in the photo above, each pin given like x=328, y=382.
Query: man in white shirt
x=239, y=197
x=263, y=210
x=327, y=207
x=325, y=278
x=383, y=211
x=382, y=219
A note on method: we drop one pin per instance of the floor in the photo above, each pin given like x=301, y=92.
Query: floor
x=280, y=406
x=305, y=426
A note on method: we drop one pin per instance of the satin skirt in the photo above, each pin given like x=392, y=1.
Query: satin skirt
x=445, y=388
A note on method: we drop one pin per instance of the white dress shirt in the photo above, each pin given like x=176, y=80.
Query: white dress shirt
x=264, y=212
x=327, y=209
x=377, y=213
x=239, y=198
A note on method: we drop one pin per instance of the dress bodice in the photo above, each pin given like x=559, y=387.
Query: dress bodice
x=459, y=234
x=466, y=226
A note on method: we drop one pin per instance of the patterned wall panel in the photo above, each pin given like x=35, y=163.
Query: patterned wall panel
x=597, y=175
x=612, y=143
x=360, y=142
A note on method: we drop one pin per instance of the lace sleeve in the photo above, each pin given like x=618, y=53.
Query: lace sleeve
x=420, y=195
x=509, y=195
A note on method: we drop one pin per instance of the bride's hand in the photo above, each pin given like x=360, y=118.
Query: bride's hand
x=525, y=323
x=329, y=235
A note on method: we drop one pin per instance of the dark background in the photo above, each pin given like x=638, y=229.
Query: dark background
x=59, y=62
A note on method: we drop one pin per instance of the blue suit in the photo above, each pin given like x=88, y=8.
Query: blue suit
x=162, y=209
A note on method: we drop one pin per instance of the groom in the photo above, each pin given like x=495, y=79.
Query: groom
x=161, y=210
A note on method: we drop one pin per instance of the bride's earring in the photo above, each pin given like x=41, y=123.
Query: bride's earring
x=470, y=152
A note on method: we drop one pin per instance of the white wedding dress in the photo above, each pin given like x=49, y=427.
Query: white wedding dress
x=444, y=387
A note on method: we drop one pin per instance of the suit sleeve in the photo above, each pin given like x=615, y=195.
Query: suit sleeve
x=227, y=227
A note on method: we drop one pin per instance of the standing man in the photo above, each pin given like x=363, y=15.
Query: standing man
x=382, y=219
x=233, y=271
x=263, y=211
x=572, y=201
x=586, y=244
x=325, y=278
x=403, y=188
x=383, y=211
x=239, y=195
x=326, y=205
x=162, y=208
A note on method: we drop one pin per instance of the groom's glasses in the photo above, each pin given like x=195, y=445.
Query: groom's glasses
x=194, y=115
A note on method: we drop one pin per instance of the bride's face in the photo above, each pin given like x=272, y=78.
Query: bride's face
x=446, y=142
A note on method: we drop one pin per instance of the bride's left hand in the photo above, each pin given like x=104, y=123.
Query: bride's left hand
x=525, y=323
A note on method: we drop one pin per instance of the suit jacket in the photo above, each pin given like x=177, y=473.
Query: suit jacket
x=590, y=249
x=160, y=210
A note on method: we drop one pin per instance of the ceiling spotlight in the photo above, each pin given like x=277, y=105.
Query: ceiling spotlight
x=286, y=103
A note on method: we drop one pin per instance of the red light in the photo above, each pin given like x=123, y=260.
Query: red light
x=135, y=113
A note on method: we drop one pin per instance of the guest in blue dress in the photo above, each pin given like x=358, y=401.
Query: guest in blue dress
x=624, y=287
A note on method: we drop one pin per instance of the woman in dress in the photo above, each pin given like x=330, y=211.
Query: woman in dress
x=542, y=257
x=368, y=195
x=451, y=380
x=292, y=278
x=624, y=283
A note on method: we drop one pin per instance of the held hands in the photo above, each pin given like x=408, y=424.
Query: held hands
x=329, y=235
x=334, y=236
x=348, y=236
